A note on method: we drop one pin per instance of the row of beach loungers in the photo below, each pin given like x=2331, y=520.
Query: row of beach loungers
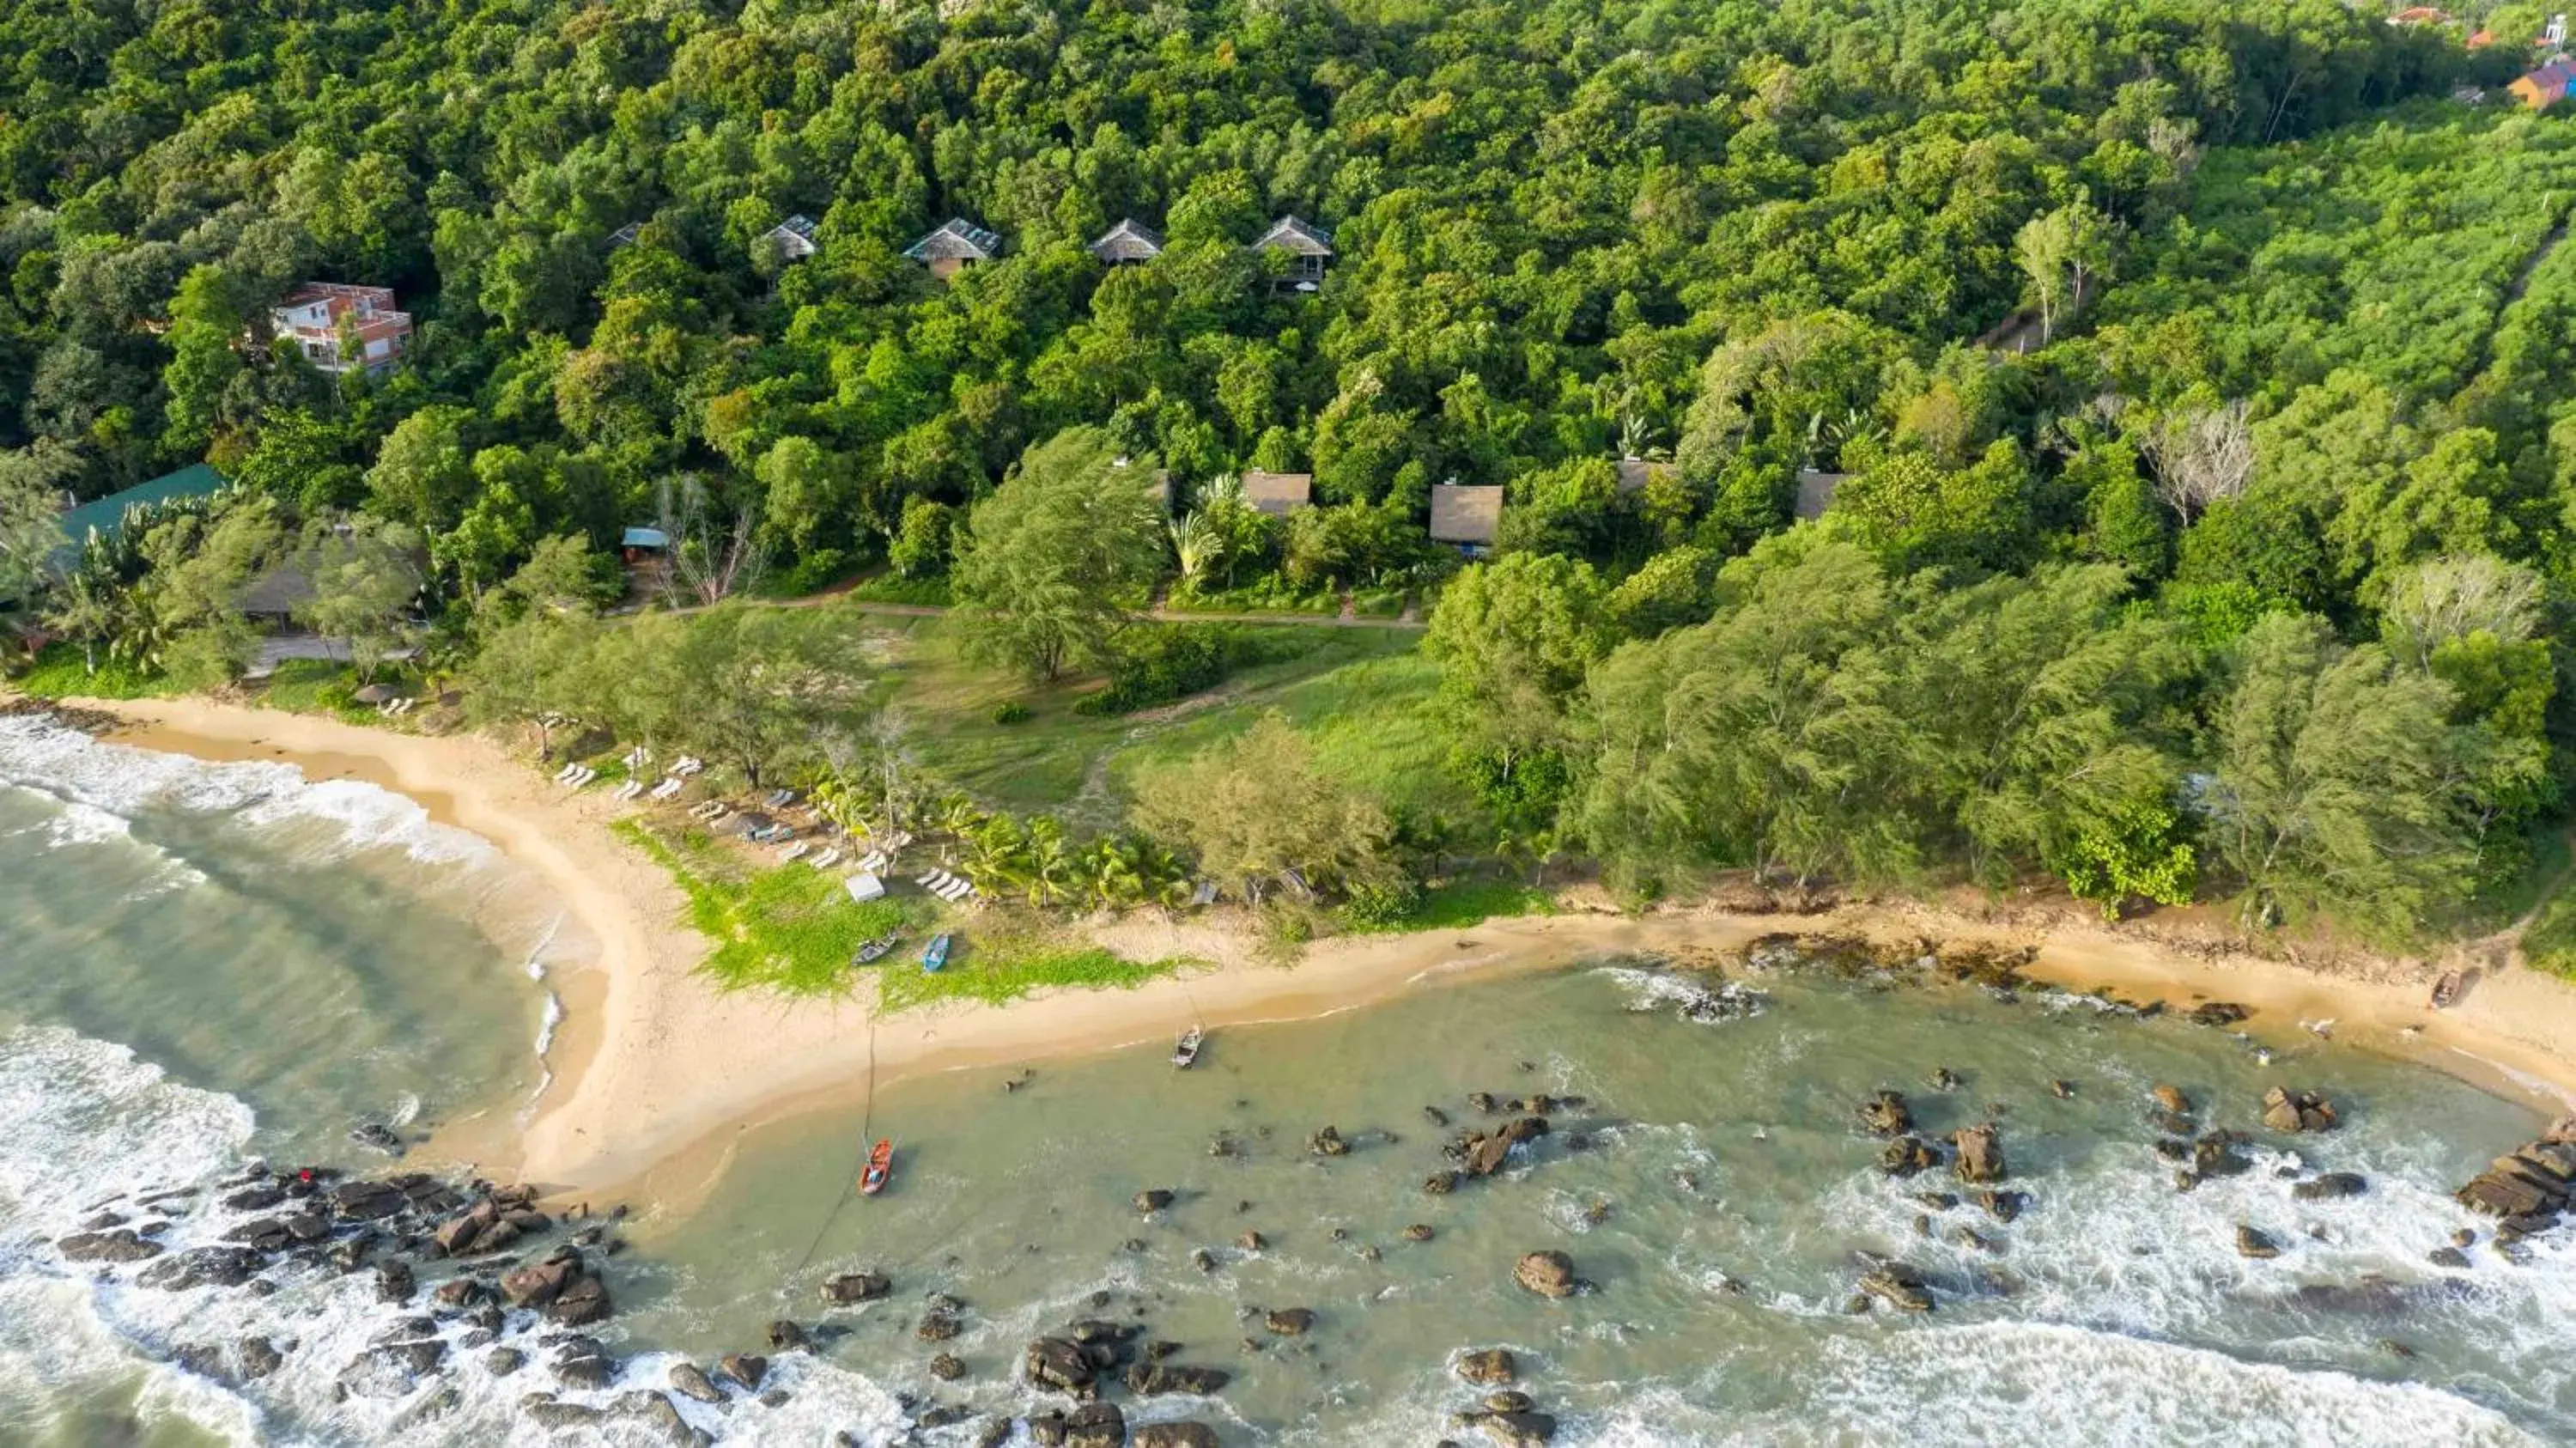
x=396, y=708
x=951, y=888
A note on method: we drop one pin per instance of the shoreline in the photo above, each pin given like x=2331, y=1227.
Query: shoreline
x=656, y=1073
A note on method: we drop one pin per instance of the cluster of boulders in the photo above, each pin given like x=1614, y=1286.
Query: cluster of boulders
x=2290, y=1111
x=2527, y=1188
x=1976, y=1153
x=1473, y=1153
x=1092, y=1355
x=1505, y=1415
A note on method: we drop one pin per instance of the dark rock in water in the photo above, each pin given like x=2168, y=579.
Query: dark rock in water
x=1489, y=1367
x=1549, y=1274
x=2169, y=1099
x=581, y=1304
x=994, y=1433
x=2062, y=1090
x=113, y=1246
x=201, y=1267
x=255, y=1199
x=1328, y=1142
x=1202, y=1259
x=2002, y=1206
x=1944, y=1079
x=743, y=1370
x=366, y=1201
x=1980, y=1154
x=1176, y=1435
x=785, y=1336
x=938, y=1327
x=1899, y=1285
x=1252, y=1242
x=1095, y=1425
x=582, y=1363
x=204, y=1359
x=1053, y=1362
x=2217, y=1154
x=2255, y=1244
x=947, y=1367
x=461, y=1292
x=375, y=1136
x=1289, y=1321
x=395, y=1283
x=2449, y=1257
x=1518, y=1430
x=851, y=1288
x=500, y=1362
x=2294, y=1111
x=1482, y=1101
x=1907, y=1155
x=541, y=1284
x=2332, y=1185
x=2173, y=1148
x=777, y=1398
x=1440, y=1184
x=259, y=1357
x=392, y=1370
x=1938, y=1201
x=1418, y=1232
x=1885, y=1114
x=2216, y=1013
x=1435, y=1116
x=689, y=1381
x=1152, y=1378
x=1154, y=1199
x=546, y=1412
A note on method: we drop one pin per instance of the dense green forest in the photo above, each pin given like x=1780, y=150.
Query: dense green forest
x=2192, y=372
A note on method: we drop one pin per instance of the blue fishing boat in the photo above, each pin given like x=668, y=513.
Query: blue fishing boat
x=937, y=955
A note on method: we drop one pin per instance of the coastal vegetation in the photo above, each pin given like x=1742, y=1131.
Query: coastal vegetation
x=2110, y=449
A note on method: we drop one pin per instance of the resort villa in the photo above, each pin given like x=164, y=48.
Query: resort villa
x=956, y=245
x=1468, y=517
x=342, y=328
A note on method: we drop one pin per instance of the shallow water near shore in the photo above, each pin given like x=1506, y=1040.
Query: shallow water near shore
x=207, y=963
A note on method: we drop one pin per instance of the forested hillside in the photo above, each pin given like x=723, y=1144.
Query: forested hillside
x=2190, y=372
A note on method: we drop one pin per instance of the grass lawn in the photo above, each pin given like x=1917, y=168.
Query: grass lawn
x=1457, y=904
x=794, y=930
x=60, y=673
x=1356, y=690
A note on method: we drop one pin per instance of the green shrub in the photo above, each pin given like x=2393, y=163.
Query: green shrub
x=1158, y=665
x=1378, y=907
x=1010, y=711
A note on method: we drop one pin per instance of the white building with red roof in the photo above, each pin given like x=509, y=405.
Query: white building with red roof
x=341, y=328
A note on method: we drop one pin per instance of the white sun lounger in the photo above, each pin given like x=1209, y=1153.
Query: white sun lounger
x=827, y=859
x=567, y=771
x=580, y=777
x=669, y=787
x=957, y=890
x=875, y=863
x=793, y=852
x=628, y=790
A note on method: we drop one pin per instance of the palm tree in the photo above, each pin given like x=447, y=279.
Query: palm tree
x=1050, y=862
x=1198, y=545
x=1114, y=870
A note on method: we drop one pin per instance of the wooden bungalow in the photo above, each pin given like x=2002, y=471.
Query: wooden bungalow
x=1311, y=247
x=1277, y=494
x=1128, y=242
x=956, y=245
x=1469, y=517
x=792, y=239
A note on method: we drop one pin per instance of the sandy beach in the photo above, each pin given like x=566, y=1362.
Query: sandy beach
x=656, y=1071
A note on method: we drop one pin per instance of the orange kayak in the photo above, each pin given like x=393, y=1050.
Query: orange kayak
x=880, y=1166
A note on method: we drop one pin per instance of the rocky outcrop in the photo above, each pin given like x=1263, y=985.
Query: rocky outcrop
x=1148, y=1379
x=1885, y=1114
x=582, y=1363
x=1176, y=1435
x=1549, y=1274
x=1289, y=1321
x=1154, y=1199
x=849, y=1289
x=690, y=1381
x=1061, y=1364
x=2296, y=1111
x=1492, y=1367
x=1907, y=1155
x=2257, y=1244
x=1095, y=1425
x=2331, y=1186
x=742, y=1369
x=1483, y=1153
x=2527, y=1187
x=1327, y=1142
x=1980, y=1155
x=121, y=1245
x=1898, y=1284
